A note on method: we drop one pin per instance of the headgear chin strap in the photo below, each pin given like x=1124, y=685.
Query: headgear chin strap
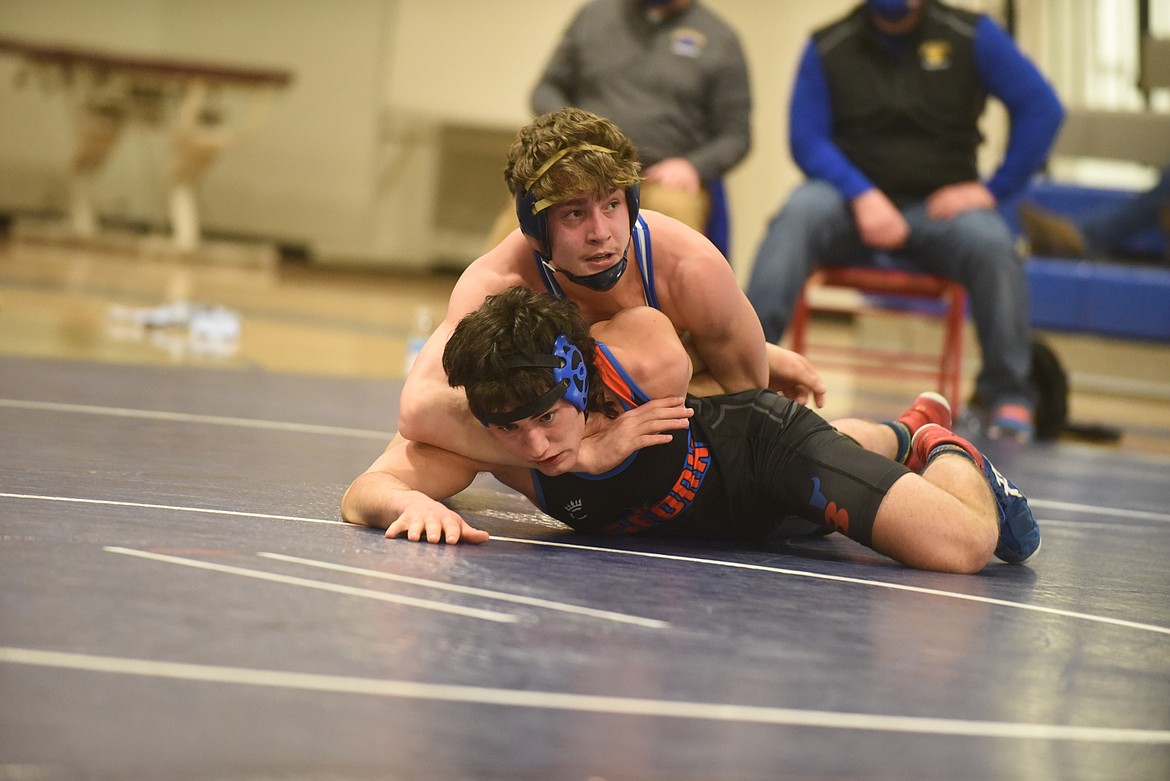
x=570, y=378
x=600, y=281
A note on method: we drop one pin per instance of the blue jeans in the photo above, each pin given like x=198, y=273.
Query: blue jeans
x=976, y=249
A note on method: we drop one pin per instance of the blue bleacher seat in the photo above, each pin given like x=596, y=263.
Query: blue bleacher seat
x=1111, y=298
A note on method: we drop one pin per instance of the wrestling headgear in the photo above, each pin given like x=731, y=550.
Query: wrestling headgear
x=533, y=219
x=569, y=377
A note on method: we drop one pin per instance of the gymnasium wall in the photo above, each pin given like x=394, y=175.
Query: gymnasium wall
x=383, y=150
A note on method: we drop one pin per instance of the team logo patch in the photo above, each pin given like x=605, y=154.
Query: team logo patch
x=935, y=55
x=835, y=517
x=687, y=42
x=576, y=509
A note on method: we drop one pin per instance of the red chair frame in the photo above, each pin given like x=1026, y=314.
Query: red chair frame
x=944, y=367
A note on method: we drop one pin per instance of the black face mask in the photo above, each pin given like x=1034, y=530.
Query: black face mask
x=602, y=280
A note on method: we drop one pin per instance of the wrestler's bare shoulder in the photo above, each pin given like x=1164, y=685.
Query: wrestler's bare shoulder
x=508, y=264
x=675, y=241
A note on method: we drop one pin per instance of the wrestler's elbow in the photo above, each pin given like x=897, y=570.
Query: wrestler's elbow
x=412, y=416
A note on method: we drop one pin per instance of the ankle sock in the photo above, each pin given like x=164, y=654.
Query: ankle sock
x=902, y=432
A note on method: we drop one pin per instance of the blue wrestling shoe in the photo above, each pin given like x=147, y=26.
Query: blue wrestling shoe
x=1019, y=534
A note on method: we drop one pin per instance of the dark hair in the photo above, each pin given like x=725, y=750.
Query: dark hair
x=517, y=322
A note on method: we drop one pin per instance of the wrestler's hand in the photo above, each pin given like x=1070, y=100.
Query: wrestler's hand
x=634, y=429
x=433, y=521
x=792, y=375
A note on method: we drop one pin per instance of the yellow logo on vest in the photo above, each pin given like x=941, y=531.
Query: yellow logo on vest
x=935, y=55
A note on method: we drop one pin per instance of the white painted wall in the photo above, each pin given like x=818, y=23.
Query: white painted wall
x=344, y=162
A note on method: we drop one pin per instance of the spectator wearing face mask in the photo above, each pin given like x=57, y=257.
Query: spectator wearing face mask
x=884, y=125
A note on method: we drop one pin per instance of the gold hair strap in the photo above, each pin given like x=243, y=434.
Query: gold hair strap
x=541, y=205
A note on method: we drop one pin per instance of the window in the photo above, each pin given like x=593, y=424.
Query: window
x=1092, y=52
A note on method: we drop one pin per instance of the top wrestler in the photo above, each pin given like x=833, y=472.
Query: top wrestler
x=574, y=177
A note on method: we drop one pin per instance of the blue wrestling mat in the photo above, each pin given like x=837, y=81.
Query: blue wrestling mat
x=179, y=600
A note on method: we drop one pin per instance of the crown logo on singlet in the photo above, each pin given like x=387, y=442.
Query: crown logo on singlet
x=575, y=509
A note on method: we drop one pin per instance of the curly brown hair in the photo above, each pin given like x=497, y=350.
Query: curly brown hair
x=517, y=322
x=595, y=157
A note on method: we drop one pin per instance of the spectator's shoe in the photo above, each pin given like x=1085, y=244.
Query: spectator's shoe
x=1011, y=421
x=1051, y=234
x=929, y=407
x=1019, y=534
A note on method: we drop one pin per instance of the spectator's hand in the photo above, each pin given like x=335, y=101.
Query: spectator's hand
x=954, y=199
x=792, y=375
x=433, y=521
x=676, y=173
x=879, y=222
x=634, y=429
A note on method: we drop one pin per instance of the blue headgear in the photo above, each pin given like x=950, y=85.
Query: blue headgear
x=890, y=10
x=533, y=219
x=570, y=378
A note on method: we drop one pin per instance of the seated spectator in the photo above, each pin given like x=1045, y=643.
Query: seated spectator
x=884, y=122
x=672, y=75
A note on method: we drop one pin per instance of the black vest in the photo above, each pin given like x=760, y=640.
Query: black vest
x=908, y=121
